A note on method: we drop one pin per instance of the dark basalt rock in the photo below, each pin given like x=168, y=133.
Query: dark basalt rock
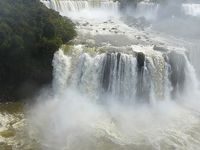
x=143, y=84
x=132, y=4
x=106, y=72
x=161, y=49
x=118, y=59
x=140, y=60
x=177, y=64
x=108, y=68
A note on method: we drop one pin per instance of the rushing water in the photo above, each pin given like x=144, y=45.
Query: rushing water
x=192, y=9
x=114, y=88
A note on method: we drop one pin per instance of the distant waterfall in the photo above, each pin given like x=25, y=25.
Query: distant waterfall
x=191, y=9
x=147, y=9
x=65, y=6
x=151, y=10
x=194, y=54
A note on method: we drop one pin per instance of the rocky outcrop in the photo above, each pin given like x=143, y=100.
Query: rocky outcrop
x=177, y=64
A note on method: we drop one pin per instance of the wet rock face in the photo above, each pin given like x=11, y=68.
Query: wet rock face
x=106, y=72
x=108, y=69
x=161, y=49
x=177, y=64
x=140, y=60
x=114, y=72
x=143, y=81
x=127, y=3
x=118, y=59
x=143, y=86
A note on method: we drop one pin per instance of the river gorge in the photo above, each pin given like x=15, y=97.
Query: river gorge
x=123, y=83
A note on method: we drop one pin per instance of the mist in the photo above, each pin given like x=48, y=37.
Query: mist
x=73, y=117
x=120, y=96
x=171, y=17
x=178, y=20
x=111, y=74
x=74, y=121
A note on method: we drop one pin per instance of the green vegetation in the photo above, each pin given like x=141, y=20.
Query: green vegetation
x=30, y=33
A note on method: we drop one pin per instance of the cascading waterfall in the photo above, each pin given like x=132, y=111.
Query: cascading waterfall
x=136, y=76
x=147, y=10
x=61, y=72
x=69, y=6
x=129, y=78
x=194, y=49
x=119, y=75
x=150, y=10
x=191, y=9
x=115, y=88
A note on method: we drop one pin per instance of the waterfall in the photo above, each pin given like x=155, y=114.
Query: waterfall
x=147, y=9
x=67, y=6
x=133, y=74
x=194, y=53
x=151, y=10
x=114, y=87
x=61, y=64
x=191, y=9
x=128, y=78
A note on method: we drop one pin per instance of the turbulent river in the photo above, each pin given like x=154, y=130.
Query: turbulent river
x=117, y=86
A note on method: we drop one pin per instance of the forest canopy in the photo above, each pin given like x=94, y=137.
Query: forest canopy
x=30, y=33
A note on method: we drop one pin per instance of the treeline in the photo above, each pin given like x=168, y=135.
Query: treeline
x=30, y=33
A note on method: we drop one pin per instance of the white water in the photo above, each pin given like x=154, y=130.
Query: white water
x=147, y=10
x=102, y=100
x=74, y=6
x=74, y=121
x=192, y=9
x=151, y=10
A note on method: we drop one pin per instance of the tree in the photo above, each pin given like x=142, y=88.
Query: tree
x=30, y=33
